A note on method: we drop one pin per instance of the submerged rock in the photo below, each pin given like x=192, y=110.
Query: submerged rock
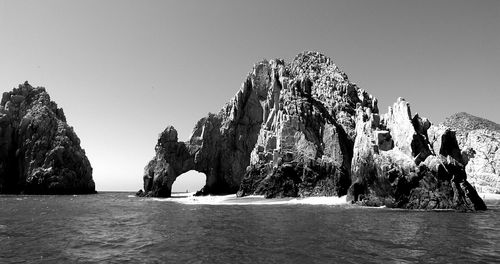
x=479, y=140
x=303, y=129
x=39, y=152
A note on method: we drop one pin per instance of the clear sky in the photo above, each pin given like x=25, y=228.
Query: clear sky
x=123, y=70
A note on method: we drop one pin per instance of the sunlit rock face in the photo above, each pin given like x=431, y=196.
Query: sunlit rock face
x=304, y=129
x=479, y=139
x=305, y=144
x=423, y=170
x=39, y=152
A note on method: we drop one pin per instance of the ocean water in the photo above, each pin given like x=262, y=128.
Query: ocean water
x=121, y=228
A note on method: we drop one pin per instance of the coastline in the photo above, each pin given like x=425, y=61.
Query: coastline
x=231, y=199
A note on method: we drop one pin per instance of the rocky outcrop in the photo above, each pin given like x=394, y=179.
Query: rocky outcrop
x=479, y=140
x=423, y=170
x=219, y=147
x=39, y=152
x=305, y=146
x=303, y=129
x=297, y=115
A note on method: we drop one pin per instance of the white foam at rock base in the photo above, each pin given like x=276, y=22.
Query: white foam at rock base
x=489, y=196
x=188, y=198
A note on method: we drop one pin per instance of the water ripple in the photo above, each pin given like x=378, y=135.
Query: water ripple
x=117, y=228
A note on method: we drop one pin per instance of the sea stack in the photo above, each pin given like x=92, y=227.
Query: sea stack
x=304, y=129
x=39, y=152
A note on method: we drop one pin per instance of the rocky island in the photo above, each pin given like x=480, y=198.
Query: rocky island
x=304, y=129
x=39, y=152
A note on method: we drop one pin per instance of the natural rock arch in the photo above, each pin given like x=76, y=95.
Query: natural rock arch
x=303, y=129
x=220, y=145
x=273, y=118
x=171, y=160
x=190, y=181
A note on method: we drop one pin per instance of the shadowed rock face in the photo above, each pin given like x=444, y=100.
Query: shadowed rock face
x=39, y=152
x=303, y=129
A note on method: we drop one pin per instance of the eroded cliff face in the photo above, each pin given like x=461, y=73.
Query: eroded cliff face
x=39, y=152
x=297, y=116
x=480, y=140
x=305, y=145
x=403, y=161
x=303, y=129
x=220, y=144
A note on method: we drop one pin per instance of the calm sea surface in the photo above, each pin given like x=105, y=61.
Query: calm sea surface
x=120, y=228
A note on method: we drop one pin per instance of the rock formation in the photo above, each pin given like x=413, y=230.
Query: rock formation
x=220, y=145
x=305, y=145
x=39, y=152
x=303, y=129
x=413, y=165
x=479, y=140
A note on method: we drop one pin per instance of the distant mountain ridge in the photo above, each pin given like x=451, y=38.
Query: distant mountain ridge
x=465, y=122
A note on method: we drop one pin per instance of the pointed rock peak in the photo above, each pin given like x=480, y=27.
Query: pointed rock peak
x=313, y=62
x=261, y=78
x=168, y=135
x=41, y=154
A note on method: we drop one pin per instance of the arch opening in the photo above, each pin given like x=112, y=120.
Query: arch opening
x=189, y=182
